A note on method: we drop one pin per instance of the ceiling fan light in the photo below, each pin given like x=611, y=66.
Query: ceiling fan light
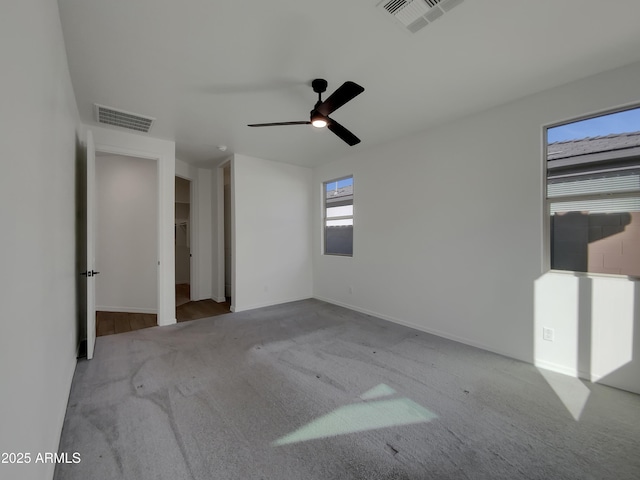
x=318, y=120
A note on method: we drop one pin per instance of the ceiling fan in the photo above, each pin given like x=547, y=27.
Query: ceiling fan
x=320, y=114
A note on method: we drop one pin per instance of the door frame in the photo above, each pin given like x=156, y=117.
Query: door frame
x=194, y=246
x=220, y=231
x=90, y=243
x=165, y=231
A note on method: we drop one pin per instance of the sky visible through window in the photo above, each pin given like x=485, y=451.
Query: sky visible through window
x=621, y=122
x=344, y=182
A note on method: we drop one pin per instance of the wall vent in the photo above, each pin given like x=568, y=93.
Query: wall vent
x=120, y=118
x=414, y=15
x=394, y=5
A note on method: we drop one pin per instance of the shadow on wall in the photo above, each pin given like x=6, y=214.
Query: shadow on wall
x=628, y=356
x=590, y=242
x=593, y=327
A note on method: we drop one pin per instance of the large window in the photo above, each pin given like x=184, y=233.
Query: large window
x=593, y=194
x=338, y=216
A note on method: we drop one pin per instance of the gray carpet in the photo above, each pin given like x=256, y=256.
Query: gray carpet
x=308, y=390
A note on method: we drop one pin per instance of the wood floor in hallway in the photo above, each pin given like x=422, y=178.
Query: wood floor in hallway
x=110, y=323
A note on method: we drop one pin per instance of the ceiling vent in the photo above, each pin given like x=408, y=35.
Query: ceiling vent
x=120, y=118
x=414, y=15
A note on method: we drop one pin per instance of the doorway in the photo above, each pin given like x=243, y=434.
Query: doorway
x=191, y=302
x=126, y=243
x=225, y=226
x=111, y=142
x=182, y=240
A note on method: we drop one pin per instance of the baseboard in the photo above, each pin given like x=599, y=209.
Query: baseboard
x=236, y=309
x=581, y=374
x=220, y=299
x=127, y=309
x=421, y=328
x=557, y=368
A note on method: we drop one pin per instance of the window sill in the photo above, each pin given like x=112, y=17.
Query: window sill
x=594, y=275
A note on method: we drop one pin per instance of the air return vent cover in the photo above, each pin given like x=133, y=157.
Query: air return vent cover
x=414, y=15
x=120, y=118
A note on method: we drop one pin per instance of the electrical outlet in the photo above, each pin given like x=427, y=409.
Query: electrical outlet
x=548, y=334
x=350, y=290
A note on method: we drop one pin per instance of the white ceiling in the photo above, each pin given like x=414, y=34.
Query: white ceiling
x=206, y=68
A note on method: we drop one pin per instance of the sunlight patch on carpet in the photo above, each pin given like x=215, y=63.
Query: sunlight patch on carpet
x=381, y=390
x=361, y=417
x=571, y=391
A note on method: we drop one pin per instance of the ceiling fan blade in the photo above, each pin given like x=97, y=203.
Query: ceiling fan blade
x=278, y=123
x=346, y=92
x=343, y=133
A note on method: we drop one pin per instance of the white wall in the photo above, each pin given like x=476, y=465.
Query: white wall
x=184, y=170
x=272, y=207
x=118, y=142
x=595, y=322
x=126, y=234
x=39, y=130
x=464, y=258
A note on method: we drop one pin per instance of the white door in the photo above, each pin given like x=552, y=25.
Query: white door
x=91, y=245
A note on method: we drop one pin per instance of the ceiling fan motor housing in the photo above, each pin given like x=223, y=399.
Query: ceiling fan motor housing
x=319, y=85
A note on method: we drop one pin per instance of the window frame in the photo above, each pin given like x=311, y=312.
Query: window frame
x=546, y=201
x=342, y=217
